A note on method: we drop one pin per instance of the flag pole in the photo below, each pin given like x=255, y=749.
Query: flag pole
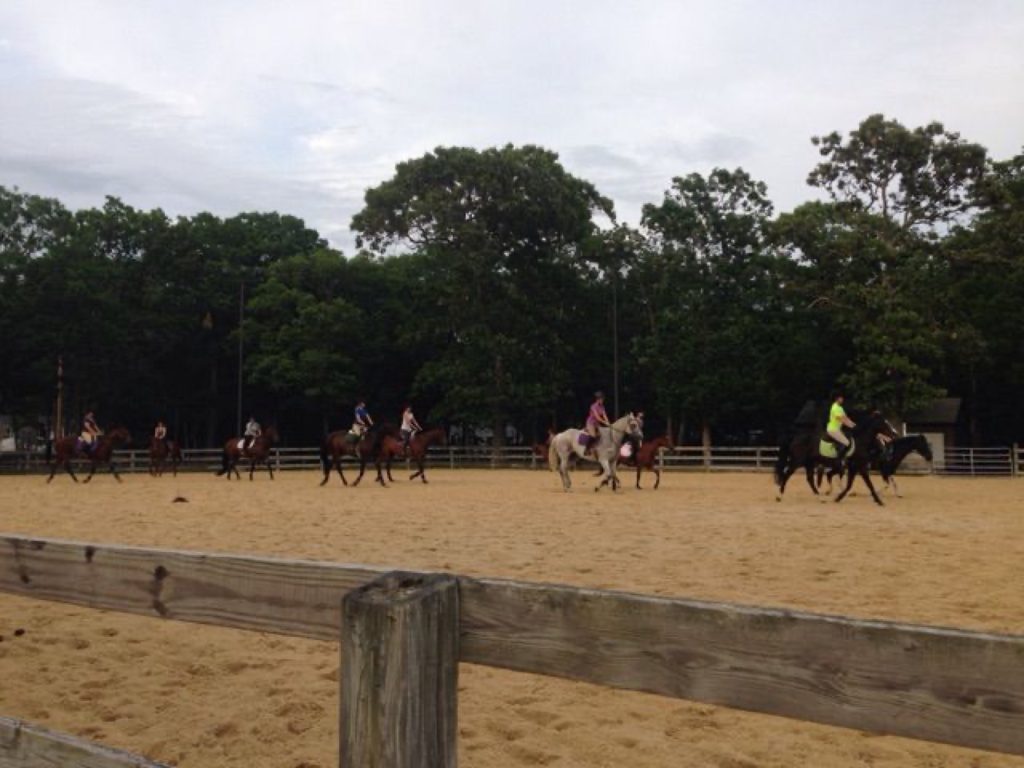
x=58, y=426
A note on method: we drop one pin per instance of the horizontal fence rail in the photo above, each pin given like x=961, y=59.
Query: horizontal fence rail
x=976, y=462
x=22, y=744
x=964, y=688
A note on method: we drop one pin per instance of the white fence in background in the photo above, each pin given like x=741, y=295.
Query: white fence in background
x=971, y=462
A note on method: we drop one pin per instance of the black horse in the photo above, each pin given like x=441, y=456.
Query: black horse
x=890, y=460
x=803, y=451
x=369, y=448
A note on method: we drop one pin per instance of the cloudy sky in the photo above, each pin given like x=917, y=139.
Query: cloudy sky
x=227, y=105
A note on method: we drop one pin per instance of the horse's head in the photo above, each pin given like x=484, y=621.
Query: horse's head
x=120, y=436
x=442, y=435
x=270, y=435
x=922, y=446
x=634, y=425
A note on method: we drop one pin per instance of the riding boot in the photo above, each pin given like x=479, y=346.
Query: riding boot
x=841, y=451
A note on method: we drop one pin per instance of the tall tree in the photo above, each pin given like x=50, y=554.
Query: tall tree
x=502, y=231
x=709, y=286
x=918, y=178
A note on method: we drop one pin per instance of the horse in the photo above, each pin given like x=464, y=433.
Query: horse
x=418, y=445
x=159, y=452
x=646, y=457
x=890, y=461
x=610, y=440
x=72, y=447
x=804, y=451
x=258, y=452
x=370, y=447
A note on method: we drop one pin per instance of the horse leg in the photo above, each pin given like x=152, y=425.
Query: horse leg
x=865, y=473
x=850, y=476
x=639, y=469
x=92, y=471
x=270, y=467
x=362, y=469
x=387, y=467
x=786, y=474
x=113, y=470
x=563, y=470
x=809, y=468
x=657, y=477
x=421, y=463
x=419, y=470
x=380, y=477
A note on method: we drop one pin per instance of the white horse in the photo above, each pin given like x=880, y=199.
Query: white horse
x=609, y=442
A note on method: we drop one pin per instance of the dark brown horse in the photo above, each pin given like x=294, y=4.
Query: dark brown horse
x=72, y=447
x=258, y=452
x=646, y=457
x=162, y=451
x=418, y=446
x=393, y=448
x=370, y=447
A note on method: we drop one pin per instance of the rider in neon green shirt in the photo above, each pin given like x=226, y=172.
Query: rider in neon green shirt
x=837, y=419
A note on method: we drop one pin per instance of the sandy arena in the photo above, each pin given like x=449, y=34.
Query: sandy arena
x=948, y=553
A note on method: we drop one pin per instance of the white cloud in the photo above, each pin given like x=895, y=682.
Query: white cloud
x=299, y=107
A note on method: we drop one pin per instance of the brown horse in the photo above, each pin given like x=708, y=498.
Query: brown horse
x=393, y=448
x=370, y=447
x=257, y=453
x=72, y=447
x=160, y=451
x=418, y=446
x=646, y=457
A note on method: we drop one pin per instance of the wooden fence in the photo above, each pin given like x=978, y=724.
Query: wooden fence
x=974, y=462
x=403, y=634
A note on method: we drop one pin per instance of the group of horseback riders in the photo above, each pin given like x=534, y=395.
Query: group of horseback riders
x=362, y=422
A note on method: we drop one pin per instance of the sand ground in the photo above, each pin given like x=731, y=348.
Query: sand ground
x=948, y=553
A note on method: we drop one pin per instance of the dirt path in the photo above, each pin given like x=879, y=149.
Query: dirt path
x=946, y=554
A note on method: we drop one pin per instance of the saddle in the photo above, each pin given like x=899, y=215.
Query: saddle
x=829, y=448
x=352, y=437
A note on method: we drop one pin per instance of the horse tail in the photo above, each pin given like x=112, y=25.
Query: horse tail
x=782, y=462
x=323, y=454
x=553, y=455
x=223, y=462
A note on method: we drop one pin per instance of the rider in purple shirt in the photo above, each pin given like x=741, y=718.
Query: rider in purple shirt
x=596, y=417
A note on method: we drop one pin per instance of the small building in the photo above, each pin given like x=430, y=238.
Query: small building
x=939, y=421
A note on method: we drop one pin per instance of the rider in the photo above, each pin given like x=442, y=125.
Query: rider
x=409, y=426
x=90, y=432
x=596, y=417
x=160, y=432
x=252, y=431
x=362, y=421
x=837, y=419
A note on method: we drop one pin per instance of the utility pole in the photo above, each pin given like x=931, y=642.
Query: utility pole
x=241, y=340
x=58, y=419
x=615, y=342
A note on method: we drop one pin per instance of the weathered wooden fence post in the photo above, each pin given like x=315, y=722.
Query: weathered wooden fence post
x=399, y=672
x=1015, y=459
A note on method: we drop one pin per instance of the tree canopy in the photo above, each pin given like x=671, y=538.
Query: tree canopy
x=495, y=287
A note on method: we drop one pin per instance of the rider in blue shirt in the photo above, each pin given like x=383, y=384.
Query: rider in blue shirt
x=362, y=421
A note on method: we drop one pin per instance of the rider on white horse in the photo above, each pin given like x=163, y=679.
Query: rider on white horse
x=596, y=417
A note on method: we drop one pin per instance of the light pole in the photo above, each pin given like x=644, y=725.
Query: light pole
x=615, y=342
x=241, y=340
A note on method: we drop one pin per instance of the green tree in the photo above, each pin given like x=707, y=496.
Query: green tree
x=502, y=233
x=917, y=178
x=709, y=287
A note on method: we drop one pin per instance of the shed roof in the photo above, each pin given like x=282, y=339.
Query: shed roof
x=943, y=410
